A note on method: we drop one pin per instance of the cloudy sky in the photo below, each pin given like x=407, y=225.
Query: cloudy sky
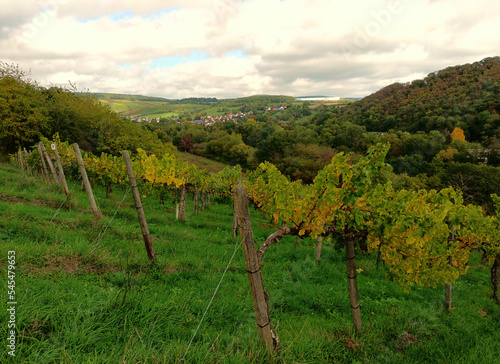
x=233, y=48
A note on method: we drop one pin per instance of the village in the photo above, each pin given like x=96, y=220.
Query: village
x=207, y=120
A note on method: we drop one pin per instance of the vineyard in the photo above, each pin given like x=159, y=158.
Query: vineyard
x=344, y=269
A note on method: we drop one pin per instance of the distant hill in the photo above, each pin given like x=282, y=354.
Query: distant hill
x=148, y=106
x=466, y=96
x=113, y=96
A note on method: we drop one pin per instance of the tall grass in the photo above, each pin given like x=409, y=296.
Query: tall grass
x=110, y=305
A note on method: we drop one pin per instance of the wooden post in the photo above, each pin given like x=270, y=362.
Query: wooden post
x=28, y=167
x=182, y=204
x=235, y=218
x=45, y=173
x=62, y=178
x=177, y=192
x=495, y=276
x=85, y=180
x=318, y=250
x=447, y=289
x=259, y=296
x=148, y=241
x=203, y=200
x=21, y=159
x=196, y=204
x=49, y=162
x=352, y=283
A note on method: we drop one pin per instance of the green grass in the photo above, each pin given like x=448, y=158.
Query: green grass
x=112, y=306
x=152, y=108
x=202, y=162
x=218, y=110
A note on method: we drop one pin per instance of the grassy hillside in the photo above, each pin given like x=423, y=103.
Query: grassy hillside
x=145, y=106
x=201, y=162
x=151, y=109
x=87, y=297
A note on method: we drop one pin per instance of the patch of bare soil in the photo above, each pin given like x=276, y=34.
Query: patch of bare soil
x=170, y=270
x=348, y=342
x=70, y=265
x=406, y=339
x=14, y=200
x=37, y=328
x=351, y=344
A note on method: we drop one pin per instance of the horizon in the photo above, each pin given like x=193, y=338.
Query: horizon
x=225, y=98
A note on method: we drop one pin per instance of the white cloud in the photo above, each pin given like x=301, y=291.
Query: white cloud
x=294, y=47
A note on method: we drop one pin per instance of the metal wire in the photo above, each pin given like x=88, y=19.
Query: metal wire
x=99, y=238
x=211, y=300
x=60, y=207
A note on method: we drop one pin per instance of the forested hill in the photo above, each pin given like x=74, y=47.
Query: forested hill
x=466, y=96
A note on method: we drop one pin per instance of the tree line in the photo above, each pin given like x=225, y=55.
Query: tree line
x=29, y=111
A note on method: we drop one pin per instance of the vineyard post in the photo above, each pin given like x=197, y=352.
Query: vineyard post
x=86, y=182
x=235, y=217
x=49, y=162
x=259, y=296
x=495, y=276
x=196, y=208
x=182, y=203
x=176, y=195
x=45, y=173
x=28, y=168
x=206, y=200
x=379, y=253
x=352, y=282
x=318, y=250
x=138, y=205
x=62, y=178
x=447, y=289
x=21, y=159
x=108, y=189
x=203, y=200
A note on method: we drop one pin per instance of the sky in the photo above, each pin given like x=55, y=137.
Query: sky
x=235, y=48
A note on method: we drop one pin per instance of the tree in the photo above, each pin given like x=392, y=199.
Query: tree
x=457, y=134
x=447, y=155
x=24, y=118
x=186, y=143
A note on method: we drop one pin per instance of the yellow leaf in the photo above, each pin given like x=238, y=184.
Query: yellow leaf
x=275, y=216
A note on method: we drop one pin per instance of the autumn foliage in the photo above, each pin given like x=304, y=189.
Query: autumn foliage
x=458, y=134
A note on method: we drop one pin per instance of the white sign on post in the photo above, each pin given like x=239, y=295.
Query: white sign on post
x=53, y=146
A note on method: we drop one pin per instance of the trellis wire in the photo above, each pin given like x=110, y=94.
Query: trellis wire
x=72, y=188
x=99, y=238
x=211, y=300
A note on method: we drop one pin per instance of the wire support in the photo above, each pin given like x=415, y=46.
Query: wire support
x=60, y=207
x=210, y=303
x=99, y=238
